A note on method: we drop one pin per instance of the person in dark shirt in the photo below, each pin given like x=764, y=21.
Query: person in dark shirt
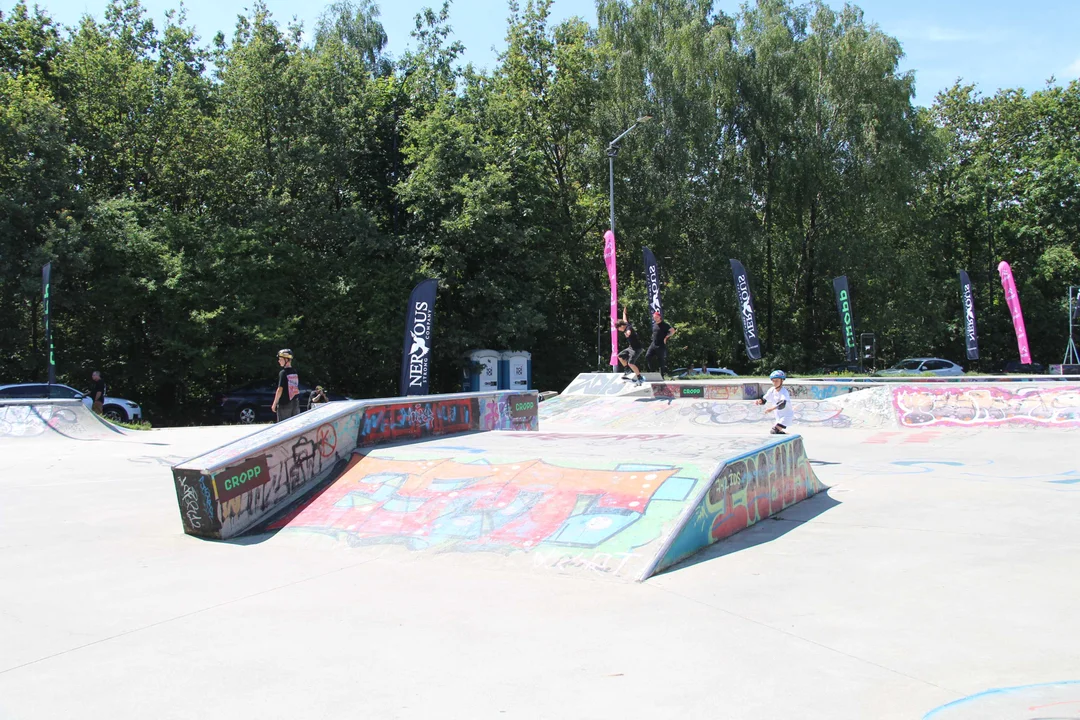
x=629, y=356
x=318, y=397
x=657, y=352
x=97, y=392
x=287, y=396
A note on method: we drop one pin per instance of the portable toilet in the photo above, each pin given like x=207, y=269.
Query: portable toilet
x=515, y=370
x=483, y=371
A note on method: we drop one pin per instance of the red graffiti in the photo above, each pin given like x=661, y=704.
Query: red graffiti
x=413, y=421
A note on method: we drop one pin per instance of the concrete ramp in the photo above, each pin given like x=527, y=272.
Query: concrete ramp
x=22, y=420
x=696, y=408
x=621, y=505
x=591, y=413
x=227, y=491
x=611, y=385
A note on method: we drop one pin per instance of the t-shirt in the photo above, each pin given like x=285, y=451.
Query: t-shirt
x=632, y=338
x=98, y=387
x=781, y=399
x=289, y=382
x=659, y=332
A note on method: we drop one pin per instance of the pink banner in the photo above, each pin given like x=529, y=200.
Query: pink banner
x=609, y=260
x=1013, y=300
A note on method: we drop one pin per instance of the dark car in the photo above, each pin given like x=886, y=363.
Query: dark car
x=837, y=369
x=1017, y=367
x=251, y=403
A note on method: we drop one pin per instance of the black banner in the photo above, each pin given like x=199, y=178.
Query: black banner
x=652, y=282
x=847, y=317
x=967, y=298
x=46, y=291
x=746, y=310
x=416, y=351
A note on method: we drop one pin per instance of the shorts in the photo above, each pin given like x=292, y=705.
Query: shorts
x=98, y=407
x=286, y=410
x=630, y=355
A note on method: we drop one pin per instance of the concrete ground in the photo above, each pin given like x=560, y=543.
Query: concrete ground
x=938, y=565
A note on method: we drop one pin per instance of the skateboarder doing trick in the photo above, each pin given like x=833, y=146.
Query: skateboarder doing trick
x=629, y=356
x=779, y=401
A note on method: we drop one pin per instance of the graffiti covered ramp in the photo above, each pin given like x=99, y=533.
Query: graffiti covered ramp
x=619, y=505
x=22, y=420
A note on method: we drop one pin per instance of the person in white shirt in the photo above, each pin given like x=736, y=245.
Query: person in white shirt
x=779, y=402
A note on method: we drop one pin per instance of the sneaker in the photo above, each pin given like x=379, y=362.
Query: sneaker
x=774, y=431
x=639, y=379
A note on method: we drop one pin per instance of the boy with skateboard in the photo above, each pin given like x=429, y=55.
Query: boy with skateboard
x=779, y=401
x=629, y=356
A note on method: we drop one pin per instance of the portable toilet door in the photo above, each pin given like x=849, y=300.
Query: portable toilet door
x=518, y=371
x=485, y=370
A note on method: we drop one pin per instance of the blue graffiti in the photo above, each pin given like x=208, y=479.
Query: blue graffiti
x=206, y=494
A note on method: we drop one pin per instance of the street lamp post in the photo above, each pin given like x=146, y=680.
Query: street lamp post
x=612, y=151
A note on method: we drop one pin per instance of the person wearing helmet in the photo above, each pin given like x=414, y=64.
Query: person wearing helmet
x=287, y=396
x=778, y=401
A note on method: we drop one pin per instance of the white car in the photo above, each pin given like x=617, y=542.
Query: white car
x=717, y=372
x=114, y=408
x=917, y=366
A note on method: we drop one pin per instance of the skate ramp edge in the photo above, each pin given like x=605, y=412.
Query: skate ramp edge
x=745, y=490
x=619, y=506
x=610, y=384
x=22, y=420
x=229, y=490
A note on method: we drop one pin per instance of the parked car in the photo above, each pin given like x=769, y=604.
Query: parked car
x=114, y=408
x=917, y=366
x=1017, y=367
x=719, y=372
x=251, y=403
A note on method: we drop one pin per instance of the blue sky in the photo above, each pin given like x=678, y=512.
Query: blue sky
x=992, y=43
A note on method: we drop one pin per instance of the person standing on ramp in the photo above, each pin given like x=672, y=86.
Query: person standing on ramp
x=287, y=396
x=657, y=352
x=779, y=401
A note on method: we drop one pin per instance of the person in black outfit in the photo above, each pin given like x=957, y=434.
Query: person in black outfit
x=318, y=397
x=657, y=352
x=629, y=356
x=287, y=396
x=97, y=393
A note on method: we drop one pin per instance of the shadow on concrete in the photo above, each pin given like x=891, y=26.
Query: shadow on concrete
x=765, y=531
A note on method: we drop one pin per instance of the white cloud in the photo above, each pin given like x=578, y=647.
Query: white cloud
x=1073, y=71
x=939, y=34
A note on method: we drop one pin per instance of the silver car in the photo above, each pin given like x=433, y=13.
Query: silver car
x=114, y=408
x=918, y=366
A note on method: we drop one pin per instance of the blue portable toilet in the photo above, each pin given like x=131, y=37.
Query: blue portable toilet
x=515, y=370
x=482, y=375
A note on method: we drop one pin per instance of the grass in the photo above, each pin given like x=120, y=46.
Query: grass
x=134, y=426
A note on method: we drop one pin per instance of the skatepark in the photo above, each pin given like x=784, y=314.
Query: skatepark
x=616, y=551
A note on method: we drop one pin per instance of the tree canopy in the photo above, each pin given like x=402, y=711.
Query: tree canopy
x=205, y=204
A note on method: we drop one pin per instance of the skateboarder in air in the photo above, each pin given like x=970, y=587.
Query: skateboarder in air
x=629, y=356
x=779, y=401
